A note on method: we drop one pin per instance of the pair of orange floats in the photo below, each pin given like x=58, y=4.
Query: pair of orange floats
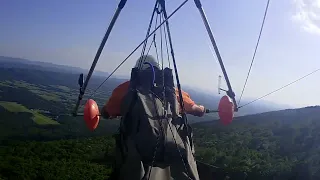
x=91, y=112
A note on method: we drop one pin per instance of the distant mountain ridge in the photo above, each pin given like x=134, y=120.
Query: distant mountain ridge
x=287, y=116
x=210, y=101
x=11, y=62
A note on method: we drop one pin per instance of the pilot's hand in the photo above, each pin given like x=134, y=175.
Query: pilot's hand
x=198, y=110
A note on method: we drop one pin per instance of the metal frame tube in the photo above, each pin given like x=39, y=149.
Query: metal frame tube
x=96, y=58
x=214, y=44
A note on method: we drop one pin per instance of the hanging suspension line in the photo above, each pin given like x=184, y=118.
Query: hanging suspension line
x=161, y=12
x=255, y=50
x=165, y=39
x=165, y=20
x=153, y=40
x=293, y=82
x=149, y=28
x=184, y=116
x=161, y=46
x=155, y=43
x=155, y=11
x=154, y=35
x=181, y=102
x=173, y=60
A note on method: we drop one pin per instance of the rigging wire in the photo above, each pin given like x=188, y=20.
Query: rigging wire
x=281, y=88
x=255, y=51
x=164, y=21
x=161, y=44
x=157, y=54
x=162, y=66
x=162, y=11
x=149, y=27
x=165, y=38
x=154, y=39
x=181, y=102
x=155, y=10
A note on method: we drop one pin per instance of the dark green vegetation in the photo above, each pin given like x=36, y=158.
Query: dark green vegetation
x=39, y=141
x=283, y=144
x=86, y=158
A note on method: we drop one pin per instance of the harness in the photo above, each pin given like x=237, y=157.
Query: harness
x=151, y=129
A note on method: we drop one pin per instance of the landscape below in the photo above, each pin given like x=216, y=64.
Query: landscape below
x=39, y=140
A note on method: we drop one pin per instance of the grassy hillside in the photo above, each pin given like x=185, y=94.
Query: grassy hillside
x=36, y=116
x=38, y=106
x=38, y=139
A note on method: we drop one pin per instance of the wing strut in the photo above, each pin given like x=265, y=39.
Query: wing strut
x=96, y=58
x=230, y=92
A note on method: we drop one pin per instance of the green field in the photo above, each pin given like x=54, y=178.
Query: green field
x=14, y=107
x=18, y=108
x=50, y=93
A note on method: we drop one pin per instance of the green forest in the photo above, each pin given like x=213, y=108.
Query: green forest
x=39, y=140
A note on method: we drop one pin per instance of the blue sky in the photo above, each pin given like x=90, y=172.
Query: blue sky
x=69, y=32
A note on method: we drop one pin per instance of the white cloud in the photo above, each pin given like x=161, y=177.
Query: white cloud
x=307, y=14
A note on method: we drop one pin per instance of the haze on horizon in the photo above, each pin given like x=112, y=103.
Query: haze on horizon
x=69, y=33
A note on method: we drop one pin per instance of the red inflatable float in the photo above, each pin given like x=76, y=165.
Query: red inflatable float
x=91, y=114
x=226, y=110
